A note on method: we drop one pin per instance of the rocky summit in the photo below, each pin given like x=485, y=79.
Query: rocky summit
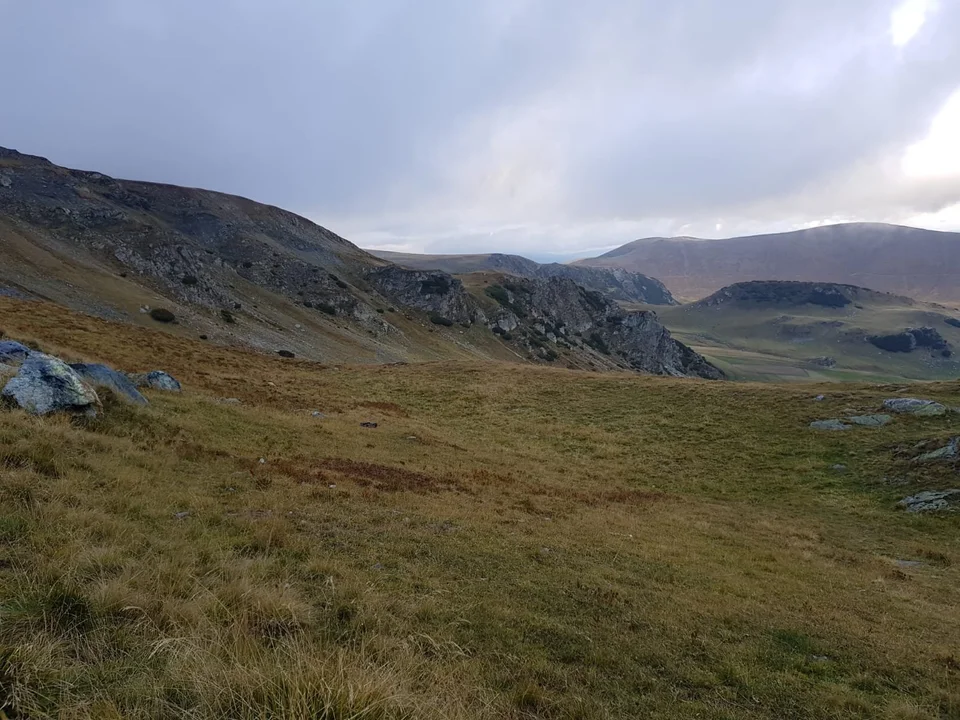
x=237, y=272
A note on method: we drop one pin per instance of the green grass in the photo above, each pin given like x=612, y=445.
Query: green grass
x=776, y=343
x=511, y=541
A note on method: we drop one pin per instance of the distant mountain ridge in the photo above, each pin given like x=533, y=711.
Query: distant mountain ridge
x=617, y=283
x=917, y=263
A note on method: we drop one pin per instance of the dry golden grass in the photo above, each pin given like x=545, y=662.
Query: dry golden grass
x=511, y=541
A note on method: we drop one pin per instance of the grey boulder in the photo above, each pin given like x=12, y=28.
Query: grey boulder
x=102, y=376
x=914, y=406
x=46, y=384
x=13, y=352
x=870, y=420
x=950, y=451
x=833, y=424
x=930, y=501
x=156, y=379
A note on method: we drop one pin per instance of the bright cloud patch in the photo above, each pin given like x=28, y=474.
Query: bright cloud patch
x=937, y=155
x=908, y=19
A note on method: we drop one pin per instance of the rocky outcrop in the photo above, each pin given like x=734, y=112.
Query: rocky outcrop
x=785, y=293
x=434, y=292
x=914, y=406
x=157, y=380
x=101, y=376
x=46, y=384
x=12, y=352
x=911, y=339
x=931, y=501
x=547, y=316
x=615, y=283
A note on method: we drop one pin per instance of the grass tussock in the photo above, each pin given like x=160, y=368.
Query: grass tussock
x=509, y=542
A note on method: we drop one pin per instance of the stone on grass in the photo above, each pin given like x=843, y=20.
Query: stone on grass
x=914, y=406
x=12, y=352
x=46, y=384
x=931, y=501
x=870, y=420
x=102, y=376
x=950, y=451
x=833, y=424
x=156, y=379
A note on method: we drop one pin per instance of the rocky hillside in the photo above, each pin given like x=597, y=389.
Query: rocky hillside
x=921, y=264
x=617, y=283
x=234, y=271
x=795, y=293
x=556, y=318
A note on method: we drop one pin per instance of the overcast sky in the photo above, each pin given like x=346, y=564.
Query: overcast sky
x=531, y=126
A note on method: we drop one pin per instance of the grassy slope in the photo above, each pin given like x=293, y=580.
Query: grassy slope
x=59, y=272
x=511, y=541
x=750, y=343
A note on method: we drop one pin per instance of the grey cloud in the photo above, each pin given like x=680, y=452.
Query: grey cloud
x=531, y=125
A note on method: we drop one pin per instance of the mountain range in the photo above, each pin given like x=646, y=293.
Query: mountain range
x=922, y=264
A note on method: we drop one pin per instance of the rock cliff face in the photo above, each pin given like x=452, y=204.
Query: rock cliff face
x=554, y=315
x=436, y=293
x=266, y=277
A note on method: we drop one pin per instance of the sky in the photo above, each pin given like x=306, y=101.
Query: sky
x=550, y=128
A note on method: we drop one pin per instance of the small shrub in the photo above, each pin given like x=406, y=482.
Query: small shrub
x=380, y=311
x=327, y=308
x=440, y=320
x=228, y=316
x=507, y=336
x=163, y=315
x=190, y=280
x=497, y=330
x=285, y=354
x=339, y=283
x=246, y=265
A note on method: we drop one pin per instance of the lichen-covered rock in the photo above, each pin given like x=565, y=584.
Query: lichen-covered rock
x=156, y=379
x=103, y=376
x=832, y=424
x=12, y=352
x=931, y=501
x=46, y=384
x=914, y=406
x=870, y=420
x=950, y=451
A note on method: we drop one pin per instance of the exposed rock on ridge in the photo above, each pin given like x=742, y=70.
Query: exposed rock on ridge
x=558, y=313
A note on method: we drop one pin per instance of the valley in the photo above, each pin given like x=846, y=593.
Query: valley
x=779, y=336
